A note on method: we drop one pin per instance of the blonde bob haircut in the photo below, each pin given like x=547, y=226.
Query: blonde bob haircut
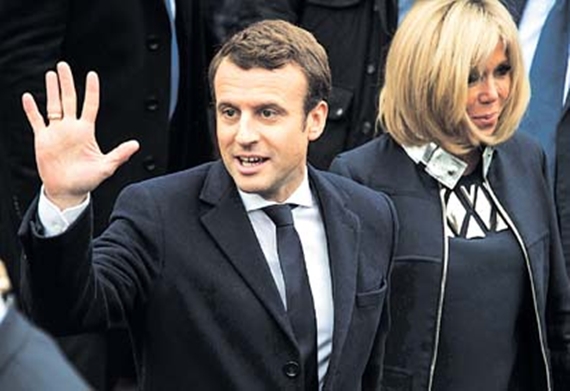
x=435, y=49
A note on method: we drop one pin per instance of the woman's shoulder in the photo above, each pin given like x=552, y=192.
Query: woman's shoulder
x=380, y=150
x=521, y=154
x=522, y=143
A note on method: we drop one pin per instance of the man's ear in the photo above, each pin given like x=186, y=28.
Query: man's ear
x=316, y=120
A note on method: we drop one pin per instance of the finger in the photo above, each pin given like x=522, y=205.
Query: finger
x=91, y=102
x=53, y=104
x=68, y=97
x=120, y=155
x=32, y=113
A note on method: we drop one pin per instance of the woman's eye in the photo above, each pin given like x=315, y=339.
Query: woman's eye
x=474, y=77
x=503, y=70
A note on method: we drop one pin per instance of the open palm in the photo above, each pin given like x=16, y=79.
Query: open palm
x=70, y=162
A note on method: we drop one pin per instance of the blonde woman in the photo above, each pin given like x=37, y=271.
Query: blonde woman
x=480, y=297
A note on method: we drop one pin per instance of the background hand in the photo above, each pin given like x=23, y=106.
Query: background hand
x=70, y=162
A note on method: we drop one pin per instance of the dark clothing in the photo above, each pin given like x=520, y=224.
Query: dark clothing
x=127, y=43
x=180, y=263
x=356, y=35
x=562, y=179
x=516, y=8
x=487, y=313
x=562, y=158
x=30, y=361
x=420, y=272
x=226, y=17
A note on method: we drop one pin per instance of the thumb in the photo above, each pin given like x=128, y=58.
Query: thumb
x=115, y=158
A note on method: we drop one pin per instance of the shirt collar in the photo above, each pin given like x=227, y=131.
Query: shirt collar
x=442, y=165
x=302, y=197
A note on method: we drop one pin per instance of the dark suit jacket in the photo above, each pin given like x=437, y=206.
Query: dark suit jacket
x=181, y=264
x=30, y=361
x=562, y=177
x=562, y=182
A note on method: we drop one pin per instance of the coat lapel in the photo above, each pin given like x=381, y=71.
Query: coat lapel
x=228, y=224
x=342, y=230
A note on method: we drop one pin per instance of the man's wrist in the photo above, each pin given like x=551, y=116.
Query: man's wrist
x=65, y=202
x=53, y=219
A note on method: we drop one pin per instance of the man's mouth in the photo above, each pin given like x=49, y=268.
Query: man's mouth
x=251, y=161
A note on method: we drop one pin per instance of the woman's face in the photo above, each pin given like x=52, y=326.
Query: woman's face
x=488, y=91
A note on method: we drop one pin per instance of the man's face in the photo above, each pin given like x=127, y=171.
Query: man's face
x=263, y=132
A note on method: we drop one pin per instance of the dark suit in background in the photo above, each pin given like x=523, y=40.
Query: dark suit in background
x=562, y=155
x=356, y=35
x=562, y=184
x=31, y=361
x=128, y=43
x=181, y=264
x=516, y=8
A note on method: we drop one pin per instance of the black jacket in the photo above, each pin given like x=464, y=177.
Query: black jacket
x=181, y=264
x=516, y=178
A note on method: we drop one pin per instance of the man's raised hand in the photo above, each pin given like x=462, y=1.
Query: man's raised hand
x=70, y=162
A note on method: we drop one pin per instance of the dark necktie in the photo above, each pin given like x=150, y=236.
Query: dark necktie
x=547, y=77
x=300, y=306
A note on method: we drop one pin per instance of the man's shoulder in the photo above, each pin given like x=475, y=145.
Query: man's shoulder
x=350, y=191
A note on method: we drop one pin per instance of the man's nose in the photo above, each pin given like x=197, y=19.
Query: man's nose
x=247, y=132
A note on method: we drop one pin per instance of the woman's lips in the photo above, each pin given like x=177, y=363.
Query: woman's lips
x=485, y=120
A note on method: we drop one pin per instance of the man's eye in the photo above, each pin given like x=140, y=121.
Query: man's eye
x=229, y=112
x=268, y=113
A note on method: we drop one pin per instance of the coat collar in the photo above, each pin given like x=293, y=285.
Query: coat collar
x=443, y=166
x=228, y=224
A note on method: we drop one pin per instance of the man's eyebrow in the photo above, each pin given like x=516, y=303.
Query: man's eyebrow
x=223, y=104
